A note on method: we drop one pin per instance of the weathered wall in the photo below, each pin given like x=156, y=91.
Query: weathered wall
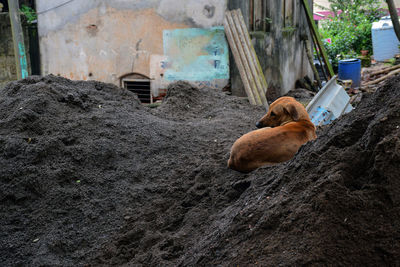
x=280, y=47
x=8, y=71
x=105, y=40
x=197, y=55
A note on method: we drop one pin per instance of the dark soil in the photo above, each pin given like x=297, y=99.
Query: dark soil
x=90, y=177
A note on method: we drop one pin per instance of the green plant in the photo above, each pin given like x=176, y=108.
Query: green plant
x=29, y=13
x=349, y=31
x=288, y=30
x=391, y=61
x=267, y=20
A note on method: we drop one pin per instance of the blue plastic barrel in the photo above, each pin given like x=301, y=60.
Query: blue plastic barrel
x=350, y=69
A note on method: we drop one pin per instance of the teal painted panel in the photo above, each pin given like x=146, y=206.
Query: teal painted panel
x=22, y=60
x=196, y=54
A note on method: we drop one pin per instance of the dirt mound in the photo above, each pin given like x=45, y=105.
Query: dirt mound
x=301, y=94
x=90, y=177
x=80, y=160
x=335, y=203
x=185, y=102
x=182, y=101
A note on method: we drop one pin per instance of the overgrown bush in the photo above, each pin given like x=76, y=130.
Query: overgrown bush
x=349, y=32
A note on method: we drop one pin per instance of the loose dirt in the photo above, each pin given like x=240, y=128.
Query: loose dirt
x=90, y=177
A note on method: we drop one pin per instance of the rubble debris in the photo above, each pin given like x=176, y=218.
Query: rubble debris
x=383, y=77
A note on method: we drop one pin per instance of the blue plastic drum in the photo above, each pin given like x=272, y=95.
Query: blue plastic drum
x=350, y=69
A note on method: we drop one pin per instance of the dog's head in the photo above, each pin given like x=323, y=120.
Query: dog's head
x=283, y=110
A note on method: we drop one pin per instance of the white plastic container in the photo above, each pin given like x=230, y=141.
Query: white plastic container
x=329, y=103
x=384, y=40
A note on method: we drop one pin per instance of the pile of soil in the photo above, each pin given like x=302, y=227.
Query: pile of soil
x=91, y=177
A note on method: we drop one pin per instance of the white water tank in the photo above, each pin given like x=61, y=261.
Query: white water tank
x=384, y=41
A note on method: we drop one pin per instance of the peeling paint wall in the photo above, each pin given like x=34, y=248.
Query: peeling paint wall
x=105, y=40
x=196, y=55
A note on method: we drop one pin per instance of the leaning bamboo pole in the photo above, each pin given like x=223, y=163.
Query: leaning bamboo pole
x=246, y=59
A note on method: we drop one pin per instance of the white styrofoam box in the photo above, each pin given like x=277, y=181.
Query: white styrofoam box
x=384, y=41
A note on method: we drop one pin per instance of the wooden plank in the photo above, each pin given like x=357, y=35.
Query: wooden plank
x=251, y=15
x=253, y=52
x=250, y=56
x=258, y=20
x=315, y=32
x=323, y=68
x=384, y=70
x=307, y=46
x=288, y=13
x=264, y=15
x=18, y=40
x=243, y=59
x=245, y=56
x=382, y=78
x=238, y=59
x=256, y=63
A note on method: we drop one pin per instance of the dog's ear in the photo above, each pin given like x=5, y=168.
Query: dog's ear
x=291, y=110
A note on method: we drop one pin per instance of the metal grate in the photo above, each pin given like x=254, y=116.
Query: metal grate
x=141, y=88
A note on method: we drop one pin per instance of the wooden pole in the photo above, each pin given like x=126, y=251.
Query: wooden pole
x=233, y=43
x=307, y=46
x=261, y=83
x=384, y=70
x=382, y=78
x=314, y=31
x=18, y=39
x=323, y=67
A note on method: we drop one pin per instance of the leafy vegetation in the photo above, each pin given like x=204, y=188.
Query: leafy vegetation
x=349, y=31
x=29, y=13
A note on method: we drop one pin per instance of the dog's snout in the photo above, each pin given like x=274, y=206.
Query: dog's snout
x=259, y=125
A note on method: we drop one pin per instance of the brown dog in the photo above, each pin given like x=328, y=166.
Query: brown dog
x=291, y=128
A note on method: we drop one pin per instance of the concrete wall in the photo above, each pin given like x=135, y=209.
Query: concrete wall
x=280, y=48
x=105, y=40
x=8, y=71
x=196, y=55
